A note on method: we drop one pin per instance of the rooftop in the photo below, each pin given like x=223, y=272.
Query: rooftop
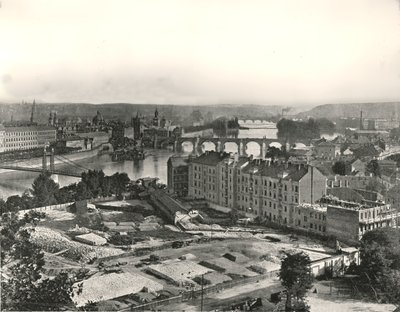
x=178, y=161
x=210, y=158
x=29, y=128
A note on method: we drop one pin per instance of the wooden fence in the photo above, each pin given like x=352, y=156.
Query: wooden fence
x=187, y=295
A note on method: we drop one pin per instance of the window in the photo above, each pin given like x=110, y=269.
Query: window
x=305, y=218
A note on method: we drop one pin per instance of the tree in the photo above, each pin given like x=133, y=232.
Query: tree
x=380, y=261
x=339, y=167
x=380, y=251
x=295, y=276
x=44, y=190
x=119, y=183
x=374, y=168
x=23, y=262
x=274, y=153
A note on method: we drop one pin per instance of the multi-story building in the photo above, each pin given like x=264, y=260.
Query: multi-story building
x=2, y=135
x=94, y=139
x=310, y=217
x=272, y=190
x=265, y=189
x=326, y=150
x=21, y=138
x=178, y=175
x=283, y=193
x=348, y=222
x=203, y=176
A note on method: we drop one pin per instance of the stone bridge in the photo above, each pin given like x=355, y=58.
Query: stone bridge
x=254, y=121
x=219, y=144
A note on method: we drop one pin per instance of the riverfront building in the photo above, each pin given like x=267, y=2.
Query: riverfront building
x=178, y=175
x=292, y=195
x=22, y=138
x=262, y=188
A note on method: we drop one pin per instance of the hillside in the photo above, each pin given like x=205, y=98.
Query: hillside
x=386, y=110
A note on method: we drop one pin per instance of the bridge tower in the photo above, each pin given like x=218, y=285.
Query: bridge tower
x=52, y=168
x=44, y=160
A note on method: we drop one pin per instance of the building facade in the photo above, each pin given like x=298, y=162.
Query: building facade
x=327, y=150
x=261, y=188
x=22, y=138
x=178, y=175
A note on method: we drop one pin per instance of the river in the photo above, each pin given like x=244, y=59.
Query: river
x=155, y=164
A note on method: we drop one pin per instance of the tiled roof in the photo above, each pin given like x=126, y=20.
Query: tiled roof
x=29, y=128
x=286, y=172
x=178, y=161
x=210, y=158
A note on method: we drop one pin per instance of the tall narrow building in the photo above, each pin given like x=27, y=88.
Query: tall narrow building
x=361, y=120
x=33, y=111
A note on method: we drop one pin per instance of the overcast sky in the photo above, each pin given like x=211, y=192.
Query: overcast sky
x=200, y=51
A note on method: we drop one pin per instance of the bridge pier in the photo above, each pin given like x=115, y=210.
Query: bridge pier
x=219, y=147
x=44, y=160
x=263, y=150
x=242, y=148
x=52, y=167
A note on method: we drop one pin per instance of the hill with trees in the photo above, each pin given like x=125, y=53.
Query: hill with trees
x=370, y=110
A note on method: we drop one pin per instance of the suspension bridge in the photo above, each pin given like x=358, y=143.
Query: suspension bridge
x=65, y=166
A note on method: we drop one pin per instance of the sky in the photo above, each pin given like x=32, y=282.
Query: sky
x=291, y=52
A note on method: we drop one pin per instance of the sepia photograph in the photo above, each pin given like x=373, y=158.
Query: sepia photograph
x=200, y=155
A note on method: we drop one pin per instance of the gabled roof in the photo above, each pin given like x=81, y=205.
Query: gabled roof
x=210, y=158
x=178, y=161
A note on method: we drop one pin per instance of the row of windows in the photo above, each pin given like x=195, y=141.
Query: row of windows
x=270, y=184
x=21, y=139
x=30, y=144
x=21, y=133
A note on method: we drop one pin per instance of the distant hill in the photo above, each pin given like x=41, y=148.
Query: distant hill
x=125, y=111
x=386, y=110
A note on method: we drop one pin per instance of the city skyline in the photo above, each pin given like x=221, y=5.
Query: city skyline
x=191, y=52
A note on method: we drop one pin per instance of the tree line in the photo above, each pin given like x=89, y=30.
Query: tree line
x=45, y=191
x=311, y=129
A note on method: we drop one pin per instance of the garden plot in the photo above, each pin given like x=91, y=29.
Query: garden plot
x=110, y=286
x=226, y=266
x=52, y=241
x=178, y=272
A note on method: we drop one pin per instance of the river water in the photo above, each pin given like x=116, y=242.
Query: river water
x=155, y=164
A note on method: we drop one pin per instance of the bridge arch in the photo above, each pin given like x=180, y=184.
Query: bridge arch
x=208, y=145
x=253, y=147
x=186, y=146
x=231, y=146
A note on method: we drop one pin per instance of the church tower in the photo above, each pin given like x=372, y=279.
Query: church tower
x=136, y=124
x=33, y=111
x=156, y=121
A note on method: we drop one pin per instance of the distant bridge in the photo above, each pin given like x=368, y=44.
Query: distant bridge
x=71, y=168
x=256, y=122
x=241, y=143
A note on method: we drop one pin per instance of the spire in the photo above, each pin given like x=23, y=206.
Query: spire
x=156, y=113
x=361, y=120
x=33, y=110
